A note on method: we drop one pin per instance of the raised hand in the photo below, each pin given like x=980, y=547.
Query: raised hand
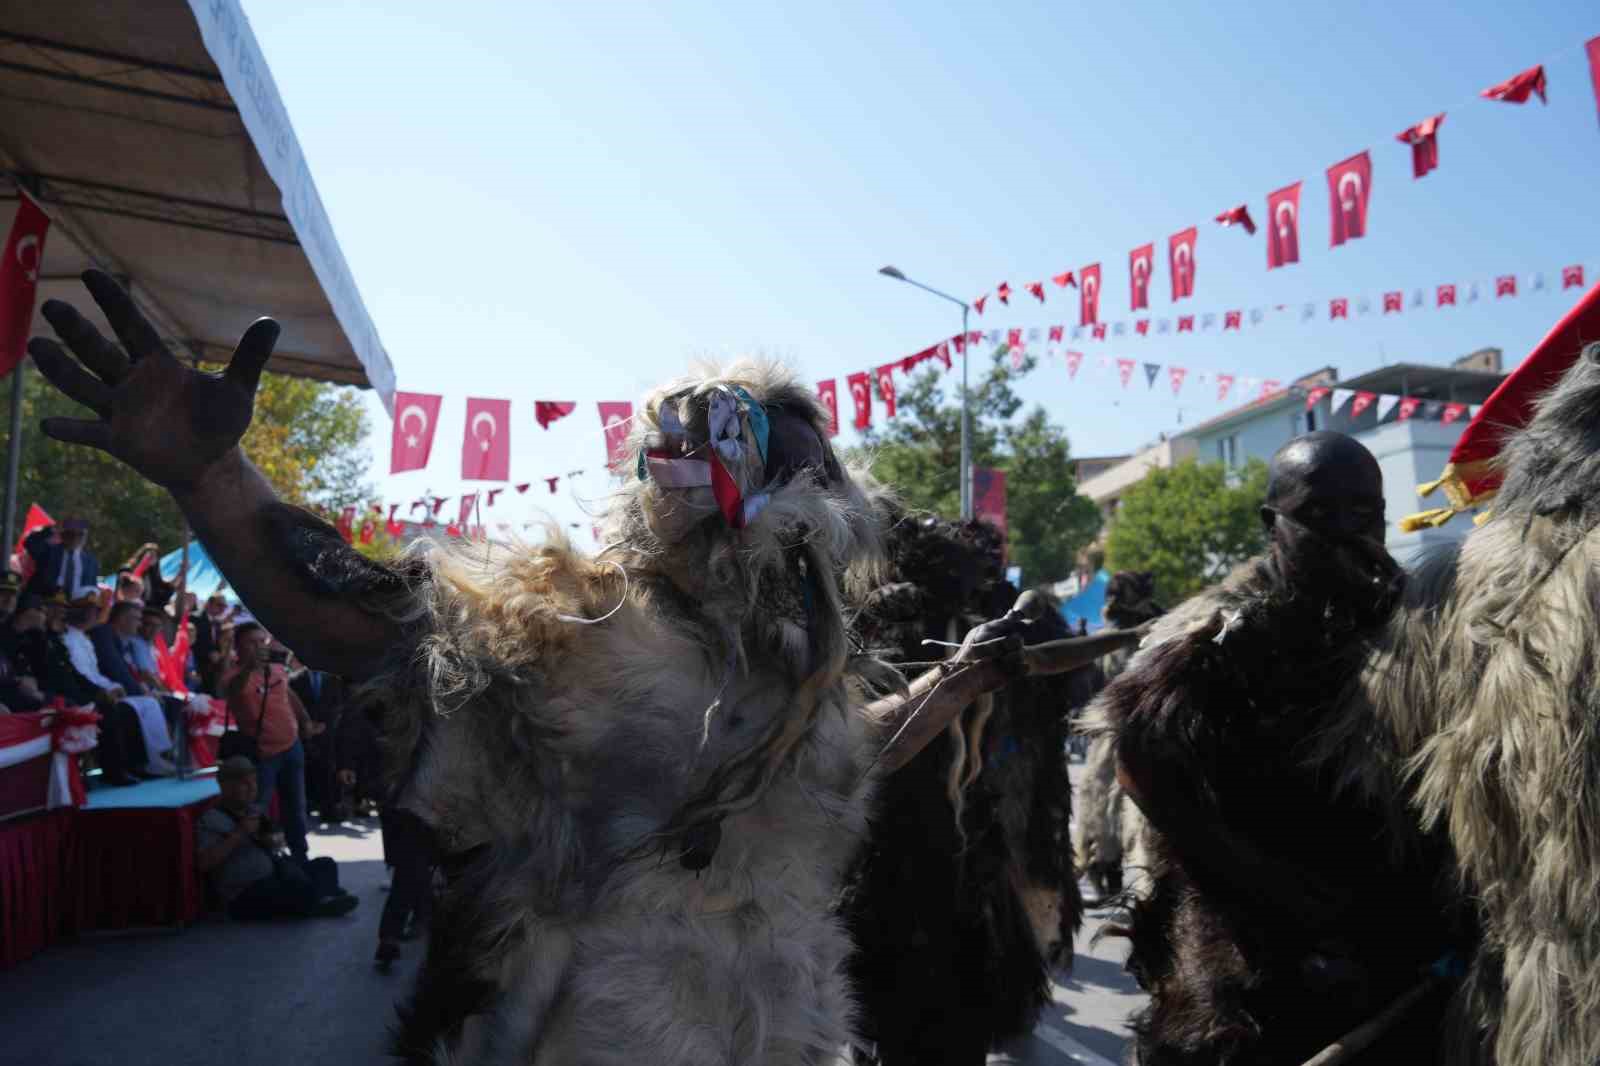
x=165, y=420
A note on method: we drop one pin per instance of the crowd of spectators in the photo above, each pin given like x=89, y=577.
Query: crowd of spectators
x=67, y=634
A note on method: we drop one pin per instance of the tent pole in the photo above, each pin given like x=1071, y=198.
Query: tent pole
x=13, y=459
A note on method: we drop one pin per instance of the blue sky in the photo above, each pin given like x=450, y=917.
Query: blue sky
x=572, y=202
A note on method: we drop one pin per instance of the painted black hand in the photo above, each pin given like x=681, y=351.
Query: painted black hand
x=165, y=420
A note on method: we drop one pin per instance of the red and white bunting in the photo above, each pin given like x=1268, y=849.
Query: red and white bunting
x=1175, y=374
x=1125, y=370
x=1224, y=383
x=861, y=396
x=885, y=379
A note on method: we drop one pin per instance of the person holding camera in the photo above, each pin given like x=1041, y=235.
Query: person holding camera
x=241, y=853
x=256, y=688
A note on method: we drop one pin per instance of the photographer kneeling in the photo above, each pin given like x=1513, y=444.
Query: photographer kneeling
x=241, y=854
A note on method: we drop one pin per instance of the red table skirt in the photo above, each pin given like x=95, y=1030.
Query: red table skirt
x=139, y=867
x=40, y=869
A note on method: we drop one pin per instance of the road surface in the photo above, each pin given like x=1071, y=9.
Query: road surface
x=232, y=994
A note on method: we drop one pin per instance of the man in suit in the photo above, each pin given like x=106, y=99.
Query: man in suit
x=210, y=655
x=62, y=562
x=115, y=660
x=73, y=673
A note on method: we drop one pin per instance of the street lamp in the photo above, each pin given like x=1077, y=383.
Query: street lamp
x=966, y=447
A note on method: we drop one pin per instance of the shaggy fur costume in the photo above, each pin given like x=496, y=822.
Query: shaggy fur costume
x=1226, y=698
x=1109, y=831
x=965, y=898
x=1486, y=695
x=566, y=768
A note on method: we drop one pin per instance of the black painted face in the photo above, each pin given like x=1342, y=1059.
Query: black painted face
x=792, y=445
x=1328, y=483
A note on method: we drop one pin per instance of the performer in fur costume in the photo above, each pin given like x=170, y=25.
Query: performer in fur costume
x=646, y=770
x=1109, y=830
x=965, y=891
x=1485, y=694
x=1281, y=912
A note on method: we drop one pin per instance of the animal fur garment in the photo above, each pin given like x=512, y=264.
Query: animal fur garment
x=964, y=898
x=1486, y=693
x=1265, y=960
x=1107, y=837
x=646, y=767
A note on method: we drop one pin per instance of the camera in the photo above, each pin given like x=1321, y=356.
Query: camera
x=278, y=656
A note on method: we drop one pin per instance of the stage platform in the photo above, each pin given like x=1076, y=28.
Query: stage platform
x=126, y=860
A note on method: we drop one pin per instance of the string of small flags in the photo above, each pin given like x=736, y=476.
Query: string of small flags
x=1349, y=184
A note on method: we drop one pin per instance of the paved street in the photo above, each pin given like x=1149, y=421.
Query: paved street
x=305, y=992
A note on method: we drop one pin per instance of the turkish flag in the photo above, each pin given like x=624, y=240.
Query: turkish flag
x=1315, y=395
x=346, y=523
x=1099, y=330
x=1408, y=407
x=468, y=502
x=828, y=394
x=1037, y=288
x=615, y=418
x=1593, y=48
x=1057, y=331
x=861, y=394
x=1238, y=216
x=1142, y=326
x=412, y=440
x=886, y=388
x=1180, y=262
x=1283, y=226
x=942, y=353
x=1505, y=285
x=1063, y=280
x=1014, y=338
x=1074, y=360
x=977, y=305
x=1176, y=375
x=1232, y=319
x=1517, y=89
x=1338, y=307
x=1185, y=323
x=548, y=411
x=1003, y=290
x=1089, y=295
x=486, y=444
x=1452, y=411
x=1392, y=301
x=1125, y=370
x=1349, y=189
x=19, y=280
x=1224, y=383
x=1362, y=401
x=1447, y=295
x=1140, y=263
x=1572, y=276
x=1424, y=141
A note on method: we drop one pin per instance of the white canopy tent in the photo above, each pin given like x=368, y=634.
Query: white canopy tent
x=152, y=134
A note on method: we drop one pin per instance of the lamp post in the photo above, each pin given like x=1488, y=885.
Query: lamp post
x=966, y=446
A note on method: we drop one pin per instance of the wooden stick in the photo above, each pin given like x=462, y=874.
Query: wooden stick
x=1364, y=1035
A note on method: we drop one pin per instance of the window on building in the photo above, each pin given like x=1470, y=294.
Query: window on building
x=1228, y=450
x=1304, y=422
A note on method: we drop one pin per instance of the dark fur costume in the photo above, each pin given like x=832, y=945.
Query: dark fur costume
x=946, y=912
x=1224, y=700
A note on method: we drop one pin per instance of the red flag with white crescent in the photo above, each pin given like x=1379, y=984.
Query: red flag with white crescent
x=1003, y=290
x=1125, y=370
x=1505, y=285
x=416, y=418
x=828, y=393
x=1180, y=262
x=1074, y=361
x=486, y=442
x=1141, y=262
x=615, y=418
x=861, y=396
x=886, y=388
x=1572, y=276
x=1089, y=295
x=1362, y=401
x=1517, y=88
x=1452, y=412
x=1238, y=216
x=1349, y=189
x=1057, y=331
x=1447, y=295
x=1315, y=395
x=1037, y=288
x=1176, y=374
x=19, y=280
x=1283, y=226
x=1224, y=383
x=1408, y=407
x=1064, y=279
x=1424, y=141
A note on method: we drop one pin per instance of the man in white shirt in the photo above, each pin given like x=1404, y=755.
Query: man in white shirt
x=152, y=719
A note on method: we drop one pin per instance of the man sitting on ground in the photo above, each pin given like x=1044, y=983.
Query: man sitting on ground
x=239, y=852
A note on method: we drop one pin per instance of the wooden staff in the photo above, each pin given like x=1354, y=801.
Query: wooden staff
x=1363, y=1036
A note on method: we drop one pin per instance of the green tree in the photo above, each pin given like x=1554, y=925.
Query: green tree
x=307, y=437
x=919, y=454
x=1189, y=524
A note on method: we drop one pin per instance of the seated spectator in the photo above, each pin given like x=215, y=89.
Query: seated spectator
x=152, y=620
x=240, y=854
x=265, y=707
x=55, y=614
x=25, y=640
x=10, y=586
x=61, y=562
x=19, y=685
x=121, y=750
x=88, y=664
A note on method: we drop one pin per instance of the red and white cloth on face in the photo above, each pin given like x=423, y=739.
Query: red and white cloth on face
x=731, y=462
